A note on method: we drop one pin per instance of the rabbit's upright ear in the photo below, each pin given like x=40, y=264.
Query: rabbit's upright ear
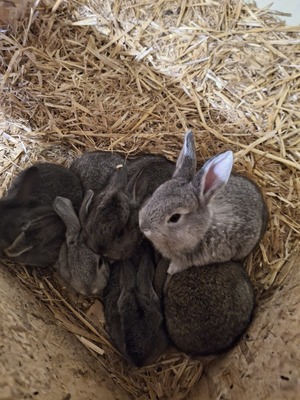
x=65, y=210
x=85, y=205
x=187, y=162
x=214, y=175
x=23, y=189
x=118, y=180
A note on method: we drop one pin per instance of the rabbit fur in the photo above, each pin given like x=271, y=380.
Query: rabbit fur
x=208, y=308
x=210, y=216
x=112, y=224
x=133, y=309
x=30, y=230
x=94, y=168
x=84, y=270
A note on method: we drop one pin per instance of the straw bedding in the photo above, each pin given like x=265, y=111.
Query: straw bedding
x=132, y=76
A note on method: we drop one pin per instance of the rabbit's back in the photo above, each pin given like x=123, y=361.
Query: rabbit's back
x=241, y=210
x=95, y=168
x=50, y=181
x=208, y=308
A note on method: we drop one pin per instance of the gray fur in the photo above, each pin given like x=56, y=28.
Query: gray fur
x=133, y=309
x=30, y=231
x=208, y=308
x=95, y=168
x=78, y=265
x=220, y=219
x=111, y=227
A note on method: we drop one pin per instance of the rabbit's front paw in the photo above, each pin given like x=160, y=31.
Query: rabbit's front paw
x=175, y=267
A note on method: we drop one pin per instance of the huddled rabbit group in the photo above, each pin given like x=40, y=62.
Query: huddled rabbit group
x=161, y=244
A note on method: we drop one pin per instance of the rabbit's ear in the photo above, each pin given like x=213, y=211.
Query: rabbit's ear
x=23, y=190
x=65, y=210
x=186, y=163
x=18, y=247
x=145, y=275
x=127, y=283
x=136, y=187
x=214, y=175
x=85, y=205
x=161, y=276
x=118, y=180
x=127, y=275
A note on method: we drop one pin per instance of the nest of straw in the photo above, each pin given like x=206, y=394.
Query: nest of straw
x=132, y=76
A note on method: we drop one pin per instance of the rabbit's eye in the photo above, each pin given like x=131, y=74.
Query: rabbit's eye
x=174, y=218
x=121, y=233
x=100, y=265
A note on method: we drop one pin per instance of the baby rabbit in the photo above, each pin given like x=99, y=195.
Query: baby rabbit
x=118, y=239
x=30, y=231
x=203, y=218
x=112, y=225
x=78, y=265
x=208, y=308
x=132, y=309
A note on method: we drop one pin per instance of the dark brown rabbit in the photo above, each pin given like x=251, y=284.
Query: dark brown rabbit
x=30, y=230
x=208, y=308
x=133, y=310
x=112, y=224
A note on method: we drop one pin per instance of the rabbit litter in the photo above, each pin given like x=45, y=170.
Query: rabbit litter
x=225, y=69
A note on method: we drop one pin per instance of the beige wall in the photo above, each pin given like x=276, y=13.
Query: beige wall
x=286, y=6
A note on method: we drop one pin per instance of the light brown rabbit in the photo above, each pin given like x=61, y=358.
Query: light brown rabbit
x=205, y=217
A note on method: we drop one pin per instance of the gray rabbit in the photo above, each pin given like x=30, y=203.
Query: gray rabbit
x=30, y=230
x=112, y=224
x=133, y=310
x=78, y=265
x=208, y=308
x=205, y=217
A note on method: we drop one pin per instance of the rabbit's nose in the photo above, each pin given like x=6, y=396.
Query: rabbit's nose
x=143, y=222
x=146, y=232
x=144, y=227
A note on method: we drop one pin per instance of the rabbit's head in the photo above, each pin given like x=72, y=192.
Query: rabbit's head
x=112, y=224
x=39, y=240
x=19, y=212
x=78, y=265
x=178, y=214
